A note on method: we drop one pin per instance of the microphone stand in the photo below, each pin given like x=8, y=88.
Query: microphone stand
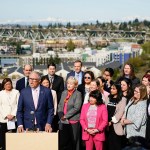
x=33, y=128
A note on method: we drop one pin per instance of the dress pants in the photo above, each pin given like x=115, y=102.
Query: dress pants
x=91, y=142
x=114, y=141
x=69, y=137
x=3, y=130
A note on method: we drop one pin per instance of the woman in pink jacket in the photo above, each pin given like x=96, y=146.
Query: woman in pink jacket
x=94, y=119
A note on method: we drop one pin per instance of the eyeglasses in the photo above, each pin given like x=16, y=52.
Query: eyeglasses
x=87, y=77
x=33, y=79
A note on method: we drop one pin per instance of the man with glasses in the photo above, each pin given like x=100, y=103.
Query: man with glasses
x=24, y=82
x=35, y=106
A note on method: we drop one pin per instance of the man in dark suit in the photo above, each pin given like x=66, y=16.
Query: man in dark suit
x=77, y=73
x=57, y=84
x=23, y=82
x=35, y=106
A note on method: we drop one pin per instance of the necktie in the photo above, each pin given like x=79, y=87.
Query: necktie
x=27, y=83
x=35, y=98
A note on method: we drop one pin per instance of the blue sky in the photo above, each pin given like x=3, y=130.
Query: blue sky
x=73, y=10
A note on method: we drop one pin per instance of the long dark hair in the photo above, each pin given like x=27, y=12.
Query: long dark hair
x=130, y=92
x=119, y=92
x=45, y=78
x=132, y=73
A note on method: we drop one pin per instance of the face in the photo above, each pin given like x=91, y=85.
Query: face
x=70, y=85
x=93, y=86
x=77, y=67
x=51, y=70
x=87, y=78
x=45, y=83
x=137, y=93
x=113, y=90
x=8, y=86
x=124, y=86
x=127, y=70
x=106, y=75
x=27, y=70
x=34, y=80
x=92, y=100
x=101, y=83
x=145, y=81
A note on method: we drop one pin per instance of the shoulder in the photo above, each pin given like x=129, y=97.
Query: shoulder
x=71, y=73
x=22, y=79
x=102, y=106
x=53, y=92
x=86, y=105
x=1, y=92
x=58, y=77
x=15, y=91
x=77, y=92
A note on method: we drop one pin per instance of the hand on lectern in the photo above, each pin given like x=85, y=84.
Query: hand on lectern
x=48, y=128
x=20, y=129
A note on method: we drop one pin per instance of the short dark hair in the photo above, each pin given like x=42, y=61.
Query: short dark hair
x=51, y=64
x=45, y=78
x=97, y=95
x=5, y=81
x=110, y=70
x=78, y=61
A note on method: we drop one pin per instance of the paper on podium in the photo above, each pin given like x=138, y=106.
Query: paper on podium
x=32, y=141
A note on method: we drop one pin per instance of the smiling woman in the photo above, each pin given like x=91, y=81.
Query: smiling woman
x=8, y=107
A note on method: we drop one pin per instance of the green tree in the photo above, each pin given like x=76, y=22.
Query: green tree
x=146, y=48
x=57, y=60
x=70, y=45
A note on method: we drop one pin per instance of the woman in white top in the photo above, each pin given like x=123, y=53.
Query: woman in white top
x=8, y=108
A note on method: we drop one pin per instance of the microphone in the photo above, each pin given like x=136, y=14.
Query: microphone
x=33, y=119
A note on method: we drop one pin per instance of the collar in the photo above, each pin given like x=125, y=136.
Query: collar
x=38, y=88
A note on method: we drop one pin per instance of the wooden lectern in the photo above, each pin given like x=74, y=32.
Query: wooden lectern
x=32, y=141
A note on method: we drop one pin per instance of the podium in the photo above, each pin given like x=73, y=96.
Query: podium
x=32, y=141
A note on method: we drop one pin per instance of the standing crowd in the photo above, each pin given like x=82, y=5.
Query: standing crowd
x=89, y=113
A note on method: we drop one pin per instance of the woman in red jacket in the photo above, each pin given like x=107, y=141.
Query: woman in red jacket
x=94, y=119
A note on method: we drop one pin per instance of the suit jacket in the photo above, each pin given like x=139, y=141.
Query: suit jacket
x=44, y=112
x=8, y=104
x=72, y=73
x=120, y=108
x=81, y=88
x=73, y=106
x=20, y=84
x=58, y=86
x=101, y=121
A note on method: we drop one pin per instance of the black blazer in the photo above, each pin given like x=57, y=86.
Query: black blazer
x=58, y=86
x=20, y=84
x=81, y=88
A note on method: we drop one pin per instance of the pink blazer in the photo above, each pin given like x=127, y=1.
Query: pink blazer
x=101, y=121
